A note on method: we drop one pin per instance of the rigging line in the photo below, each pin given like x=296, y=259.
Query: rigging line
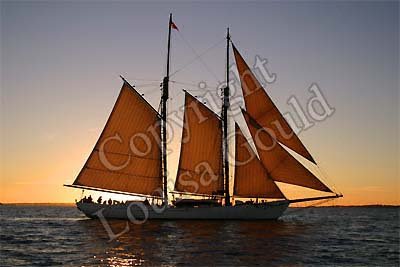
x=122, y=173
x=159, y=107
x=326, y=180
x=301, y=209
x=124, y=154
x=198, y=57
x=194, y=85
x=184, y=83
x=195, y=194
x=326, y=177
x=146, y=80
x=174, y=94
x=199, y=90
x=151, y=92
x=195, y=172
x=111, y=191
x=147, y=84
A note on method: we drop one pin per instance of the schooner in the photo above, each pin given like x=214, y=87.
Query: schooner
x=130, y=157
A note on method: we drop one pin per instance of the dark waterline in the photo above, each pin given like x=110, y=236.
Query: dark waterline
x=339, y=236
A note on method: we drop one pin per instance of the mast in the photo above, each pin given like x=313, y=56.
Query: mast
x=164, y=99
x=225, y=108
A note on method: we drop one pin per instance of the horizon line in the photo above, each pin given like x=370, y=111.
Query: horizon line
x=72, y=203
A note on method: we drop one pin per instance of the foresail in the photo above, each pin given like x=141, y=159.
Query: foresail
x=127, y=156
x=260, y=106
x=251, y=178
x=279, y=163
x=200, y=162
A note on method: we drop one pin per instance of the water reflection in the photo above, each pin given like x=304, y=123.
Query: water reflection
x=193, y=242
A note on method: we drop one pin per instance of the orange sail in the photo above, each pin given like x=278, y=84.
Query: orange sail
x=200, y=163
x=260, y=106
x=280, y=164
x=251, y=178
x=127, y=156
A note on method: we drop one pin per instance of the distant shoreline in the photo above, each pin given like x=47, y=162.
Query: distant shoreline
x=37, y=204
x=331, y=206
x=356, y=206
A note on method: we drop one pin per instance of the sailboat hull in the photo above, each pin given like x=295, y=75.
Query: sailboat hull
x=140, y=212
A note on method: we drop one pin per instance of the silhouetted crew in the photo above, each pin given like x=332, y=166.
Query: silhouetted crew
x=99, y=200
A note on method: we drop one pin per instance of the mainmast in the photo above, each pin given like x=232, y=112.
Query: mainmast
x=164, y=99
x=225, y=108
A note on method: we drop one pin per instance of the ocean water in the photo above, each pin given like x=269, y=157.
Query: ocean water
x=331, y=236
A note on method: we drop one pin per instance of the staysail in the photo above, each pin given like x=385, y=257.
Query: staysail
x=251, y=178
x=260, y=107
x=200, y=162
x=127, y=156
x=280, y=164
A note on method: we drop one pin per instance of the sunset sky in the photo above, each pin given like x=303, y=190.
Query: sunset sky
x=60, y=63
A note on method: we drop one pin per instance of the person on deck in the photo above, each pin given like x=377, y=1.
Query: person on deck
x=99, y=200
x=110, y=202
x=89, y=199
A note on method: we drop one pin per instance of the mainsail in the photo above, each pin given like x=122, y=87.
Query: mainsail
x=260, y=106
x=280, y=164
x=127, y=156
x=251, y=178
x=200, y=163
